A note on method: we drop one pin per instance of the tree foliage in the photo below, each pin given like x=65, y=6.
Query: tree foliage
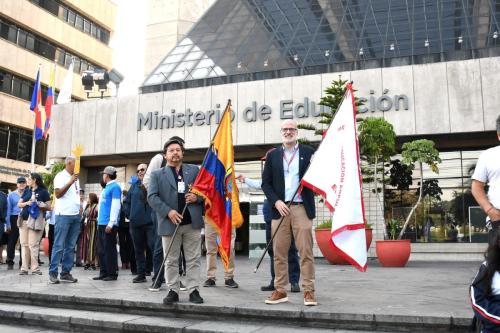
x=332, y=99
x=377, y=139
x=421, y=151
x=400, y=175
x=48, y=177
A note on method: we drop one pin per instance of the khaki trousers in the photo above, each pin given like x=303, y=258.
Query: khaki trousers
x=211, y=245
x=30, y=244
x=191, y=241
x=298, y=224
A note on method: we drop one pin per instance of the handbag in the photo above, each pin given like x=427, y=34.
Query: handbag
x=36, y=224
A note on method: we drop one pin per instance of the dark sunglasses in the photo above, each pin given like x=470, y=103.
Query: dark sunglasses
x=141, y=170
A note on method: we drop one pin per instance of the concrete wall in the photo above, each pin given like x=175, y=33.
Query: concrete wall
x=442, y=98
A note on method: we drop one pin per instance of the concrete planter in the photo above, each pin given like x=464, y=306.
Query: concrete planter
x=326, y=248
x=393, y=253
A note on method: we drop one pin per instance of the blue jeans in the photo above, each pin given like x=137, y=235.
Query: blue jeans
x=66, y=233
x=293, y=258
x=143, y=237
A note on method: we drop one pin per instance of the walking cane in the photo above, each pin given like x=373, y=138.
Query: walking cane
x=170, y=245
x=275, y=232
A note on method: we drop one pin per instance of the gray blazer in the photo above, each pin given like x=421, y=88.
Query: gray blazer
x=162, y=197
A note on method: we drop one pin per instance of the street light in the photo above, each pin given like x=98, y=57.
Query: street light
x=100, y=78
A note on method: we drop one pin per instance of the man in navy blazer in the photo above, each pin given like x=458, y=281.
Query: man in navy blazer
x=284, y=168
x=168, y=194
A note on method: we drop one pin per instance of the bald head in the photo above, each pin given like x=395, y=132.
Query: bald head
x=289, y=132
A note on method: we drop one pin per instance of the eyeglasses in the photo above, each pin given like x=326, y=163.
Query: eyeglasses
x=288, y=130
x=141, y=170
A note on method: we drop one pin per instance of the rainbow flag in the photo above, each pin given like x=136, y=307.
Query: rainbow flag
x=49, y=101
x=216, y=184
x=36, y=103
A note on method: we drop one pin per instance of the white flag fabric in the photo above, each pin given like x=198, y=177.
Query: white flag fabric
x=67, y=87
x=335, y=174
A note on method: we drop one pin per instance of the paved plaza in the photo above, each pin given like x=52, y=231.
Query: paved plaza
x=431, y=293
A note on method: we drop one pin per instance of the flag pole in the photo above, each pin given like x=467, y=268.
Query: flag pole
x=293, y=197
x=33, y=139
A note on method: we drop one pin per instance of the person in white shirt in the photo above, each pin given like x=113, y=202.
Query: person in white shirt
x=67, y=223
x=487, y=171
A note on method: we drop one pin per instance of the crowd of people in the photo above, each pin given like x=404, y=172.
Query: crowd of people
x=159, y=216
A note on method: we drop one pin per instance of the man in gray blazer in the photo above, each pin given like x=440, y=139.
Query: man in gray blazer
x=168, y=194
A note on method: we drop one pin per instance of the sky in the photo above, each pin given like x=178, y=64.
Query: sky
x=128, y=44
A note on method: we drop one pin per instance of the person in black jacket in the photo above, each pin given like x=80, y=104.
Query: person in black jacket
x=138, y=211
x=485, y=289
x=284, y=168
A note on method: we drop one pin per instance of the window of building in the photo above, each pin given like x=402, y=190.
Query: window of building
x=5, y=82
x=79, y=22
x=86, y=26
x=4, y=139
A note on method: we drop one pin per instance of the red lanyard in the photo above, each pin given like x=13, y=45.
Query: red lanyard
x=295, y=149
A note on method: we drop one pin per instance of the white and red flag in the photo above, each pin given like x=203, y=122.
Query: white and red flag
x=335, y=173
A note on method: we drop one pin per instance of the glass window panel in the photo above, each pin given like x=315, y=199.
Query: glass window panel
x=173, y=58
x=4, y=135
x=86, y=26
x=13, y=144
x=93, y=30
x=194, y=56
x=16, y=87
x=30, y=42
x=79, y=22
x=60, y=56
x=71, y=17
x=177, y=76
x=21, y=38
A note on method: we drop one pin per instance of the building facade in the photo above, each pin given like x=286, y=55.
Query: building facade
x=430, y=69
x=44, y=33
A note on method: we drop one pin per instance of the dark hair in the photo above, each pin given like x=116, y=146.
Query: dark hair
x=492, y=257
x=38, y=179
x=172, y=140
x=498, y=124
x=113, y=176
x=93, y=198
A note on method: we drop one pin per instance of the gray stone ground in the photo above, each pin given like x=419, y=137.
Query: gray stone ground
x=434, y=289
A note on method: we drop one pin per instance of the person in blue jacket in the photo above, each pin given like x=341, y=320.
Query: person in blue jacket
x=485, y=289
x=138, y=211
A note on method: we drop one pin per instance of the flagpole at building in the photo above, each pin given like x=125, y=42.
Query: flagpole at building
x=33, y=139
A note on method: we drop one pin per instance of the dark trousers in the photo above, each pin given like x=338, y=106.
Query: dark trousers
x=157, y=254
x=12, y=240
x=108, y=257
x=144, y=238
x=51, y=240
x=126, y=246
x=293, y=258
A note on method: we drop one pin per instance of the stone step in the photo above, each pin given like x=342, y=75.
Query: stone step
x=25, y=318
x=118, y=313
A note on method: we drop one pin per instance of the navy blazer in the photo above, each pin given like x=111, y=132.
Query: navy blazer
x=273, y=179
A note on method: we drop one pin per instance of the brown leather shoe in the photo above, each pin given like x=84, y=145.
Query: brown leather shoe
x=309, y=298
x=277, y=297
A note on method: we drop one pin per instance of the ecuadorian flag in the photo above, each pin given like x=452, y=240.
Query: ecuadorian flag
x=216, y=184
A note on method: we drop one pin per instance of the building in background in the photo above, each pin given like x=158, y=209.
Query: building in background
x=44, y=32
x=429, y=68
